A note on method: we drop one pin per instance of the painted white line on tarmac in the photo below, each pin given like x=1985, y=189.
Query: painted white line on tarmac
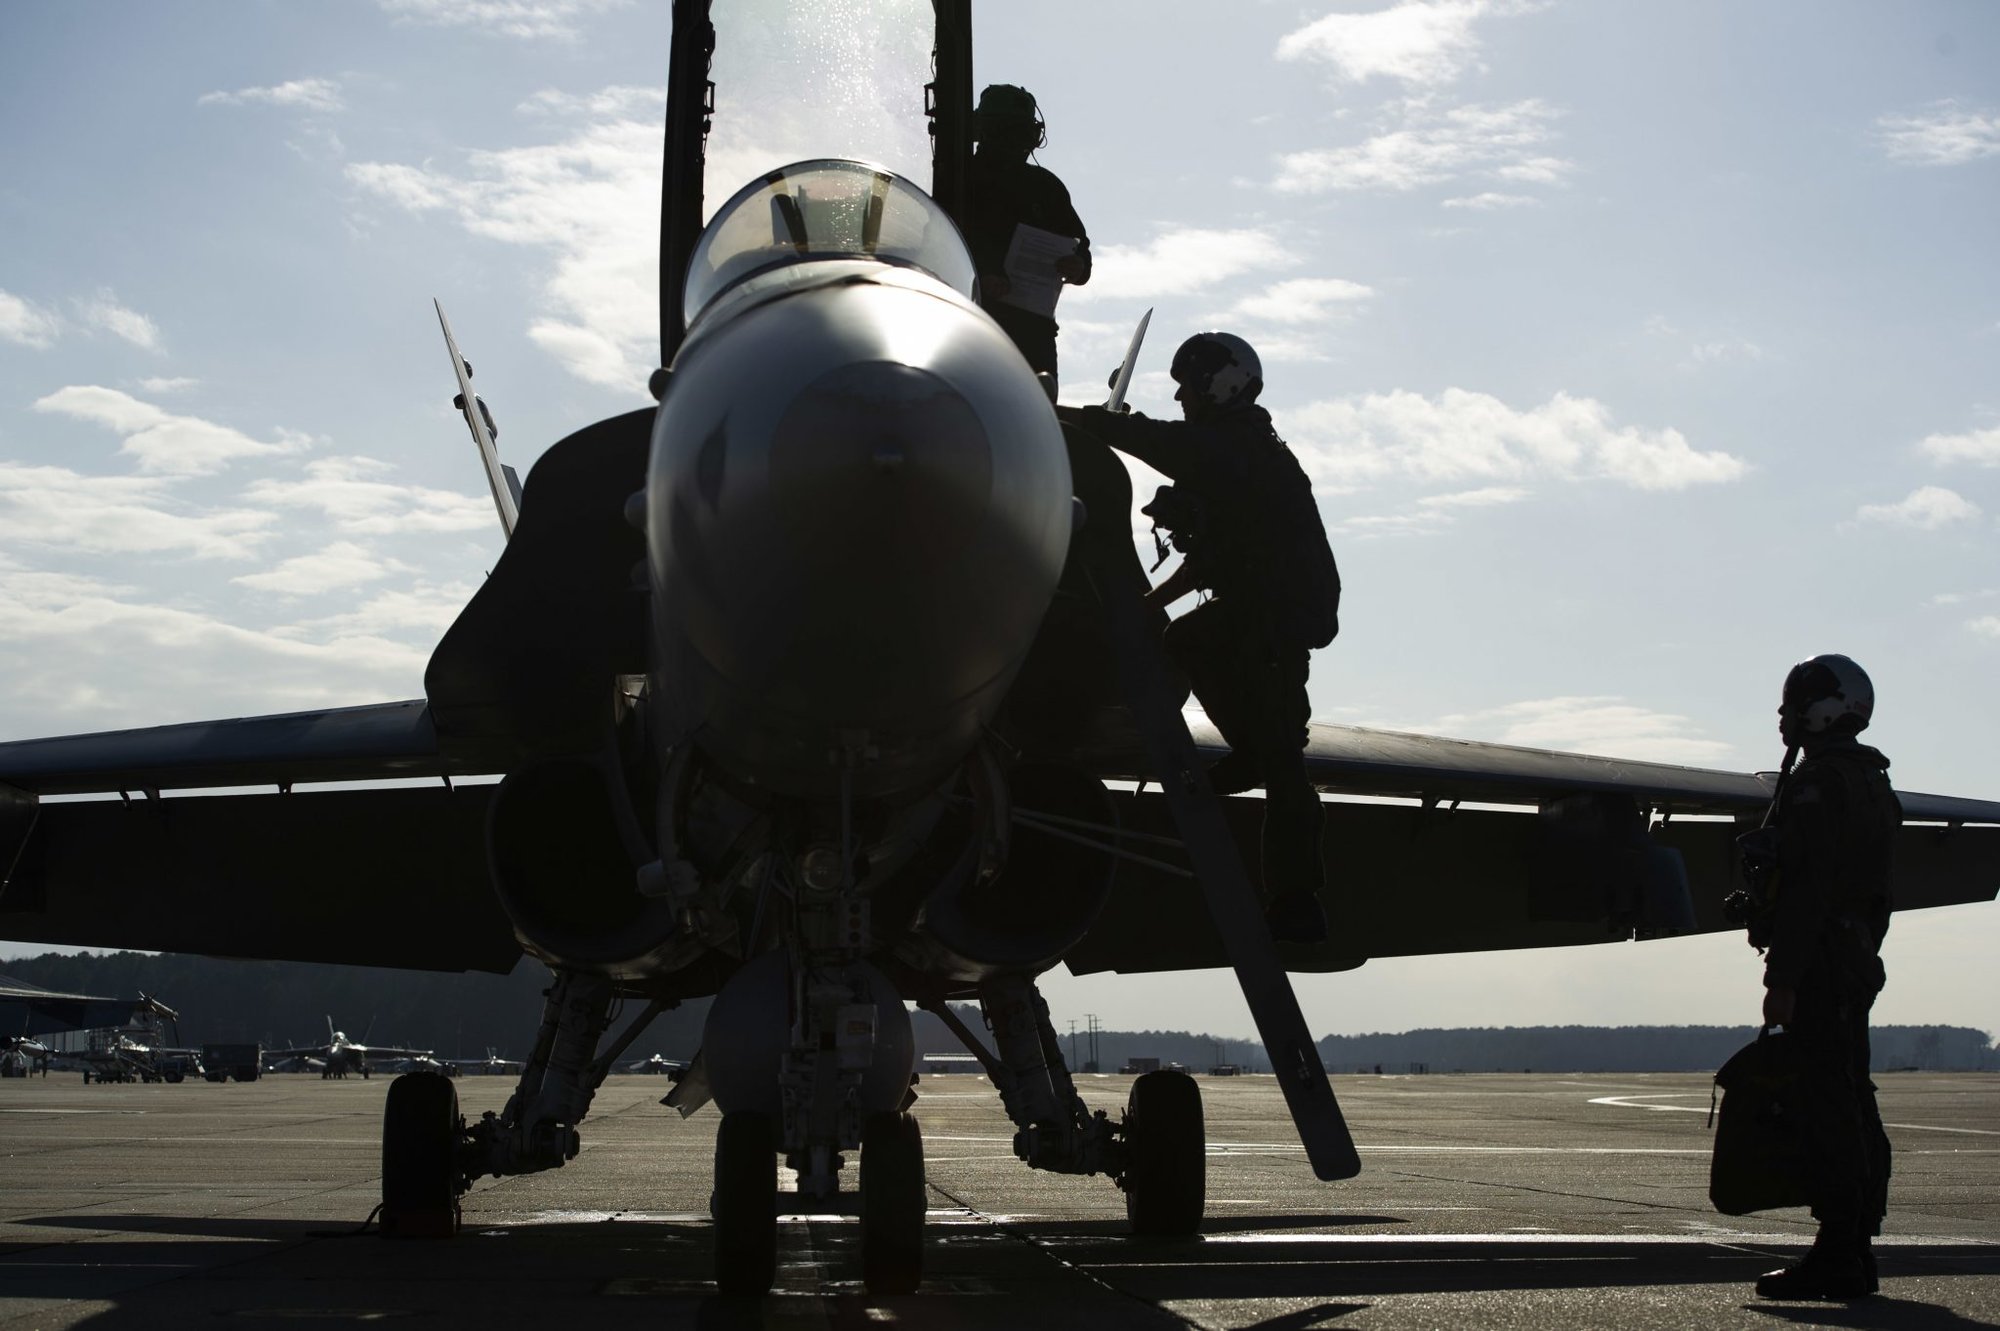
x=1634, y=1102
x=1711, y=1238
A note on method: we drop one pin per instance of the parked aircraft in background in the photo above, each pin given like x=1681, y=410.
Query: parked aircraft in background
x=339, y=1055
x=807, y=686
x=22, y=1054
x=490, y=1066
x=658, y=1065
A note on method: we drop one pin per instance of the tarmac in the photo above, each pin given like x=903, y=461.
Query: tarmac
x=1502, y=1201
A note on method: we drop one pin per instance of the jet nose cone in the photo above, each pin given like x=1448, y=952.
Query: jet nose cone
x=859, y=508
x=881, y=473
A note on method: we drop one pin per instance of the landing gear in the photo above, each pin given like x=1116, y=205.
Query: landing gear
x=421, y=1129
x=893, y=1203
x=745, y=1204
x=1166, y=1163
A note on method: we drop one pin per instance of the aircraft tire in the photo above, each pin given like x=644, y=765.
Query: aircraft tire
x=893, y=1202
x=745, y=1205
x=1166, y=1169
x=420, y=1131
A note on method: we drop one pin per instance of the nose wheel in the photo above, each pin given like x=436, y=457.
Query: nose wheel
x=745, y=1204
x=421, y=1128
x=893, y=1203
x=1166, y=1170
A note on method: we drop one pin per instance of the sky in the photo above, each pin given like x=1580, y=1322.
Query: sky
x=1635, y=352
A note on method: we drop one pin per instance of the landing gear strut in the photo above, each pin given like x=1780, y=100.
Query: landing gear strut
x=430, y=1156
x=1157, y=1153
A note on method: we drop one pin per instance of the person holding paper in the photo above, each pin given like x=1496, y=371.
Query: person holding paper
x=1026, y=238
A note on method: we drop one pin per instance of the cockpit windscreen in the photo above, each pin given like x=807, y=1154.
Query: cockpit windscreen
x=826, y=208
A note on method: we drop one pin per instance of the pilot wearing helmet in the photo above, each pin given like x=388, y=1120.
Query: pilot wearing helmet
x=1006, y=191
x=1820, y=904
x=1241, y=512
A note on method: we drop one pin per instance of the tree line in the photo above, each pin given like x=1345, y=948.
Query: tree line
x=283, y=1004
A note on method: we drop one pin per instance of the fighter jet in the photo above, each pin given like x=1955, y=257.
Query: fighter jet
x=340, y=1055
x=23, y=1054
x=823, y=685
x=490, y=1066
x=657, y=1065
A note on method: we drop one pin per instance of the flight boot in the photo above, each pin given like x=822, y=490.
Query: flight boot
x=1837, y=1266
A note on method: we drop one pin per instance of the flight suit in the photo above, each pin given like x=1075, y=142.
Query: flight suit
x=1004, y=192
x=1837, y=821
x=1262, y=550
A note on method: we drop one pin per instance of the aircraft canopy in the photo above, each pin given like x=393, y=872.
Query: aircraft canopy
x=826, y=208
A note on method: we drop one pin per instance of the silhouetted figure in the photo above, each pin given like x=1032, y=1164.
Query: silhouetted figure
x=1822, y=910
x=1005, y=192
x=1242, y=513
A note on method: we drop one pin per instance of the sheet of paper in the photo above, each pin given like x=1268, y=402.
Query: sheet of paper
x=1032, y=284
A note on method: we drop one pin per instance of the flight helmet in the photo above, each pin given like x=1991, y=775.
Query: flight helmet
x=1828, y=695
x=1008, y=118
x=1217, y=370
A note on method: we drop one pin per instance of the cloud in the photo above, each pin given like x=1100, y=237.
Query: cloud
x=70, y=645
x=104, y=313
x=1302, y=300
x=1178, y=261
x=1927, y=508
x=1432, y=147
x=299, y=94
x=593, y=200
x=1944, y=134
x=1607, y=724
x=1987, y=626
x=342, y=564
x=27, y=324
x=1960, y=598
x=525, y=19
x=348, y=491
x=426, y=609
x=1979, y=447
x=165, y=385
x=407, y=187
x=618, y=102
x=161, y=441
x=1724, y=349
x=1485, y=497
x=1493, y=202
x=1461, y=436
x=1374, y=526
x=55, y=508
x=1426, y=43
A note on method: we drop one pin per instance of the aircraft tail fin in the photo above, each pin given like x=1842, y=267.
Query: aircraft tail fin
x=500, y=478
x=329, y=1028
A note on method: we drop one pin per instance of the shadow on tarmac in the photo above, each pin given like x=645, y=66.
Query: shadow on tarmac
x=160, y=1270
x=1884, y=1311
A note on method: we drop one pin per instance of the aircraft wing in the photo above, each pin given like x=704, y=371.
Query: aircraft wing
x=384, y=740
x=30, y=1010
x=1566, y=859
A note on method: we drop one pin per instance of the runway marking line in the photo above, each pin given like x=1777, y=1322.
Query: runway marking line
x=1632, y=1102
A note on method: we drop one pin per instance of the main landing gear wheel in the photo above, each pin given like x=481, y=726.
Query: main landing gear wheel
x=1166, y=1165
x=893, y=1203
x=745, y=1204
x=420, y=1133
